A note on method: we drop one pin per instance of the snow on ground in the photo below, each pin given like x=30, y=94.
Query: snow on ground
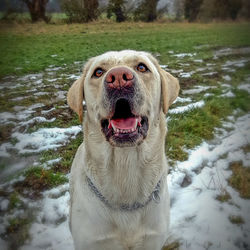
x=196, y=90
x=44, y=139
x=186, y=108
x=40, y=140
x=51, y=230
x=182, y=55
x=198, y=219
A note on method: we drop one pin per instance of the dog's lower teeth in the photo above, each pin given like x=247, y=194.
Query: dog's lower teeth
x=123, y=131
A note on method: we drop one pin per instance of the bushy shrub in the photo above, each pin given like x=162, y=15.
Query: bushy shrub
x=80, y=11
x=117, y=8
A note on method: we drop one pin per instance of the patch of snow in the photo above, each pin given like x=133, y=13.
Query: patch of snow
x=4, y=204
x=229, y=94
x=19, y=108
x=229, y=70
x=41, y=93
x=210, y=73
x=74, y=77
x=9, y=85
x=198, y=220
x=6, y=117
x=208, y=94
x=44, y=139
x=176, y=71
x=236, y=63
x=201, y=69
x=51, y=162
x=12, y=169
x=48, y=237
x=61, y=94
x=181, y=99
x=227, y=78
x=231, y=51
x=186, y=74
x=52, y=80
x=24, y=114
x=51, y=230
x=19, y=98
x=53, y=68
x=198, y=60
x=38, y=81
x=245, y=87
x=225, y=86
x=196, y=90
x=182, y=55
x=3, y=244
x=186, y=108
x=47, y=111
x=37, y=119
x=3, y=149
x=31, y=77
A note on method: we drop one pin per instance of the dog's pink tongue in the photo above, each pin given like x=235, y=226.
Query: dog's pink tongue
x=127, y=123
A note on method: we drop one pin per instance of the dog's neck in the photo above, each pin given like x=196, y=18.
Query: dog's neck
x=126, y=175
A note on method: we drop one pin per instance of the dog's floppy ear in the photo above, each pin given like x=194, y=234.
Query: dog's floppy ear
x=75, y=94
x=169, y=89
x=75, y=97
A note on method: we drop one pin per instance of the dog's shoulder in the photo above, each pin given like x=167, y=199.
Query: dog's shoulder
x=78, y=161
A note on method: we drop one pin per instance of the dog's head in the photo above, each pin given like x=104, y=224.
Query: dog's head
x=125, y=92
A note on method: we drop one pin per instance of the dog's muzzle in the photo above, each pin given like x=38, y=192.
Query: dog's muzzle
x=125, y=126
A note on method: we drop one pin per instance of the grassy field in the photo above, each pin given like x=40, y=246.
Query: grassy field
x=53, y=50
x=29, y=48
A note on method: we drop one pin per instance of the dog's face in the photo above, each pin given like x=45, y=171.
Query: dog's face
x=125, y=92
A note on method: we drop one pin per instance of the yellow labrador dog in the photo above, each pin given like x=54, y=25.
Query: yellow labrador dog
x=118, y=186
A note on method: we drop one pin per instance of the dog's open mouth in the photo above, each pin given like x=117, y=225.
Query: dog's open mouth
x=125, y=128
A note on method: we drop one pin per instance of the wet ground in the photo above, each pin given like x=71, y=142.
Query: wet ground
x=37, y=129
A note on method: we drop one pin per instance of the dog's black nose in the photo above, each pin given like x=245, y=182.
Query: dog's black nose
x=119, y=78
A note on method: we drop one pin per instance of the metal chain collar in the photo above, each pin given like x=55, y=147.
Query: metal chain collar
x=126, y=207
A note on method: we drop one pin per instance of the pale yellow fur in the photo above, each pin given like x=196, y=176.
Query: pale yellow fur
x=123, y=175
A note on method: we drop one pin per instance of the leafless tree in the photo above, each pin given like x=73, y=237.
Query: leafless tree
x=192, y=9
x=37, y=9
x=179, y=9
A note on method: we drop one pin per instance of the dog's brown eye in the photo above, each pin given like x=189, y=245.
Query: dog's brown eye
x=142, y=68
x=98, y=72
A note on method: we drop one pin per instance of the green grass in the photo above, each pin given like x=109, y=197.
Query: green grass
x=46, y=178
x=189, y=129
x=17, y=232
x=14, y=200
x=38, y=179
x=28, y=48
x=224, y=196
x=240, y=179
x=238, y=220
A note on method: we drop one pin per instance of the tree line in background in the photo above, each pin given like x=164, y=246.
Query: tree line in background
x=142, y=10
